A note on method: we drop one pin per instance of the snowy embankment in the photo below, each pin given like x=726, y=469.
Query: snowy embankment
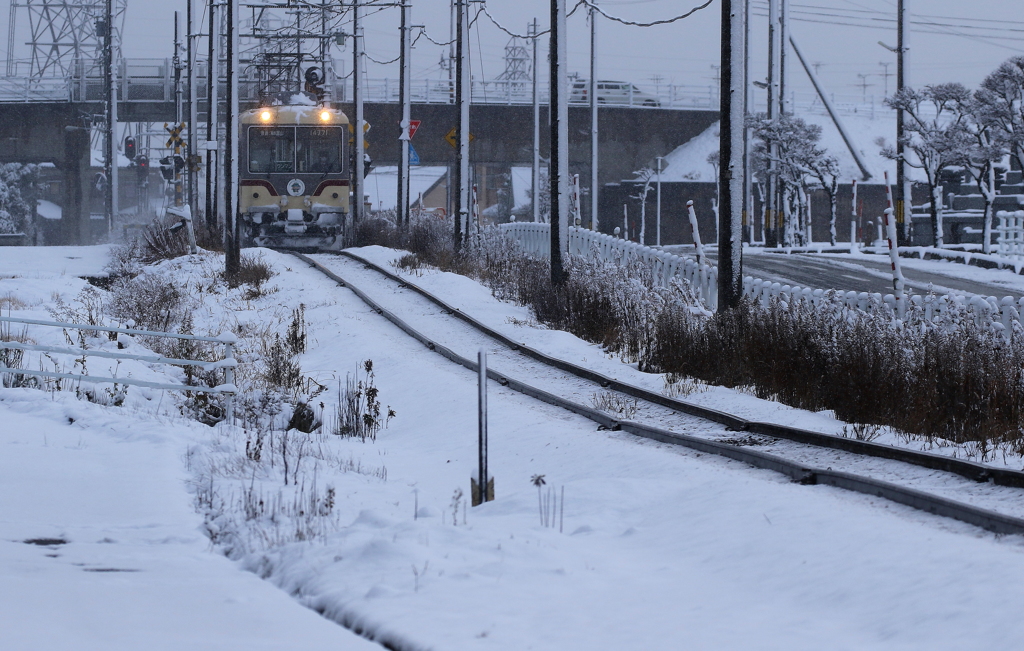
x=655, y=547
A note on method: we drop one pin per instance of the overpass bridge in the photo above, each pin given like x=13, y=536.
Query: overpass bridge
x=48, y=120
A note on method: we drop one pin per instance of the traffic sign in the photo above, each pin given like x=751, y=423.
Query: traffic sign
x=452, y=140
x=414, y=157
x=413, y=126
x=175, y=140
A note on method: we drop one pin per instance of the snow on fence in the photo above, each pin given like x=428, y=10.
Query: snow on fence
x=1011, y=233
x=987, y=312
x=227, y=363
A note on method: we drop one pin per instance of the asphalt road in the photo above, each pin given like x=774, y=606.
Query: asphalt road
x=867, y=273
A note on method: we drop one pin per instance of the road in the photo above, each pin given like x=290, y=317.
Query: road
x=864, y=273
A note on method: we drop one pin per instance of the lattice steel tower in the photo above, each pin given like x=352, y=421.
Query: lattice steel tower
x=517, y=62
x=61, y=32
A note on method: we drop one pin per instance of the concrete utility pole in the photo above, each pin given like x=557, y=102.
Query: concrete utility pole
x=903, y=185
x=748, y=196
x=358, y=191
x=535, y=179
x=657, y=239
x=110, y=53
x=594, y=225
x=559, y=170
x=784, y=106
x=212, y=83
x=463, y=92
x=404, y=98
x=771, y=183
x=730, y=210
x=232, y=250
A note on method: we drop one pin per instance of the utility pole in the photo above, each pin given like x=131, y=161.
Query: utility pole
x=193, y=109
x=212, y=83
x=748, y=199
x=535, y=181
x=784, y=106
x=903, y=186
x=885, y=66
x=463, y=91
x=730, y=211
x=771, y=183
x=179, y=112
x=559, y=171
x=111, y=75
x=357, y=98
x=404, y=98
x=232, y=252
x=594, y=224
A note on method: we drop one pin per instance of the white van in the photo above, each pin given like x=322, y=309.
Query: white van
x=618, y=93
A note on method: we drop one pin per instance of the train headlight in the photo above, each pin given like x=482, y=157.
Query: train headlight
x=325, y=116
x=266, y=115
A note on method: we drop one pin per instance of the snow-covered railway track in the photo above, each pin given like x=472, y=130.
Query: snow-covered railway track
x=981, y=495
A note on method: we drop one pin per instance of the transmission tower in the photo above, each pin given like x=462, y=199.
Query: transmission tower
x=61, y=32
x=517, y=62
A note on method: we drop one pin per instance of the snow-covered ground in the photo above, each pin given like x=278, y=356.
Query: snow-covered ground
x=652, y=547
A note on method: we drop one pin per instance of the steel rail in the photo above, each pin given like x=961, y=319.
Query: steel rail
x=967, y=469
x=802, y=473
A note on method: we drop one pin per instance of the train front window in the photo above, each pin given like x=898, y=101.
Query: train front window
x=318, y=149
x=271, y=149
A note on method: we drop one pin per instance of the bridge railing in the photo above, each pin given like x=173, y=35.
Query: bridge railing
x=152, y=80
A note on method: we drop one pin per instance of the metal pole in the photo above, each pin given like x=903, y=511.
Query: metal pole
x=111, y=54
x=770, y=218
x=748, y=198
x=193, y=108
x=463, y=90
x=657, y=237
x=179, y=113
x=730, y=244
x=594, y=224
x=404, y=98
x=211, y=118
x=535, y=177
x=358, y=191
x=482, y=419
x=903, y=185
x=559, y=170
x=232, y=254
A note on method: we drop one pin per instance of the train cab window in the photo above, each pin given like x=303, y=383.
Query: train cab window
x=318, y=149
x=271, y=149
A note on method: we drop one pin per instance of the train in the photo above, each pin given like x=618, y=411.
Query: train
x=294, y=175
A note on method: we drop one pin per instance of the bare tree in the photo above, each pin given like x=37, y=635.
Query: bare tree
x=936, y=134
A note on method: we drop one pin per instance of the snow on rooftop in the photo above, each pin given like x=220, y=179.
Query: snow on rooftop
x=688, y=162
x=382, y=184
x=48, y=209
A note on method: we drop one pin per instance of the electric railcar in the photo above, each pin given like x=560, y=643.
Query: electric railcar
x=294, y=176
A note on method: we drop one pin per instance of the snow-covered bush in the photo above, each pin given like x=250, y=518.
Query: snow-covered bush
x=17, y=196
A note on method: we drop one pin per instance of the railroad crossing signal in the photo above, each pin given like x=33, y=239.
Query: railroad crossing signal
x=352, y=130
x=452, y=140
x=175, y=141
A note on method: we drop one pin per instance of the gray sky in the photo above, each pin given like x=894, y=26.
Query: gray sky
x=955, y=41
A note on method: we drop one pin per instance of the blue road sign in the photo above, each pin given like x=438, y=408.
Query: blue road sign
x=414, y=158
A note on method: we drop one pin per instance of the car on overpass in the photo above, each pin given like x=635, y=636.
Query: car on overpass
x=619, y=93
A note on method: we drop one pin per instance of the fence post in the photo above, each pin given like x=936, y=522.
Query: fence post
x=229, y=340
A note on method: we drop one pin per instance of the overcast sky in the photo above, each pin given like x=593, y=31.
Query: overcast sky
x=951, y=40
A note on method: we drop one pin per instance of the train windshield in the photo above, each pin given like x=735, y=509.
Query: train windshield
x=271, y=149
x=318, y=149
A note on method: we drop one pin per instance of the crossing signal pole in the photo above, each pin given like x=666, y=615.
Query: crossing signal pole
x=463, y=92
x=110, y=72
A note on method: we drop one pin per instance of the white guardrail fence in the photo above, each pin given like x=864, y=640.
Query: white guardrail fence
x=228, y=362
x=987, y=311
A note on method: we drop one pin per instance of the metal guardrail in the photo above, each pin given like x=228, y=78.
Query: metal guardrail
x=227, y=363
x=988, y=312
